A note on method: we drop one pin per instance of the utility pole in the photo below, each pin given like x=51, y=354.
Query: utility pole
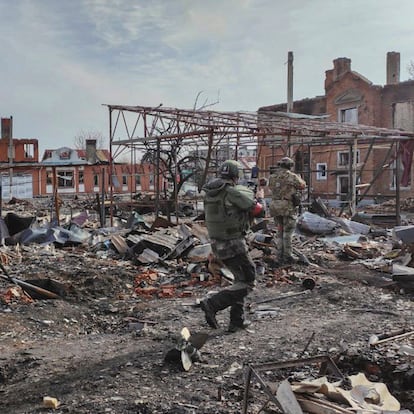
x=290, y=83
x=55, y=195
x=11, y=158
x=103, y=210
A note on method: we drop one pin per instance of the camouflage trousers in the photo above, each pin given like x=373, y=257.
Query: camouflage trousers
x=285, y=229
x=234, y=254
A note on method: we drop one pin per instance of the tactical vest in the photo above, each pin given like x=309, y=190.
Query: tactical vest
x=224, y=222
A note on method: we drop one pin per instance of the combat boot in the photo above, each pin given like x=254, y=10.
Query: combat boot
x=233, y=327
x=209, y=313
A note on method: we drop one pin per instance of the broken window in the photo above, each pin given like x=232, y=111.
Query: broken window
x=29, y=150
x=49, y=177
x=137, y=181
x=96, y=180
x=348, y=115
x=80, y=177
x=65, y=179
x=321, y=171
x=64, y=154
x=343, y=158
x=343, y=187
x=394, y=177
x=124, y=180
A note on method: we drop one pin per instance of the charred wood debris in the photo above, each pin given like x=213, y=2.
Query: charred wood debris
x=174, y=260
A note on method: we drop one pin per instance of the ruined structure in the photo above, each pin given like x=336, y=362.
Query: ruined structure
x=63, y=170
x=274, y=132
x=18, y=158
x=338, y=170
x=85, y=171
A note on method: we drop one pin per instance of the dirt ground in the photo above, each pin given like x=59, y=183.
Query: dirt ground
x=101, y=349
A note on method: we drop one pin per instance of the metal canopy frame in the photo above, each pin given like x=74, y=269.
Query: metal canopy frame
x=134, y=128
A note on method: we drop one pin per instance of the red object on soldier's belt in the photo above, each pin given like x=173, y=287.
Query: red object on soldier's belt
x=257, y=209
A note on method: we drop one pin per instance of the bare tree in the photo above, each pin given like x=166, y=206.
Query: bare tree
x=410, y=69
x=176, y=165
x=176, y=162
x=80, y=139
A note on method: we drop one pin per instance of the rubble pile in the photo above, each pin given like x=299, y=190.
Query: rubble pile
x=89, y=314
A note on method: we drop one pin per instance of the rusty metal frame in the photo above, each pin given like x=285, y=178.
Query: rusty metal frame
x=253, y=371
x=141, y=126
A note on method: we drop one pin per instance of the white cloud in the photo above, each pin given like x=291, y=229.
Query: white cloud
x=62, y=60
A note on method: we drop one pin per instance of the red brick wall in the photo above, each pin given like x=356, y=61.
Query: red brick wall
x=89, y=172
x=19, y=150
x=369, y=106
x=391, y=94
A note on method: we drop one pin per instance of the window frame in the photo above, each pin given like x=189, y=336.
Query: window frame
x=321, y=174
x=65, y=182
x=342, y=115
x=342, y=153
x=29, y=150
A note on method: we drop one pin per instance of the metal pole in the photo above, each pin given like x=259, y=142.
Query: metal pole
x=157, y=179
x=290, y=83
x=55, y=192
x=354, y=181
x=175, y=184
x=397, y=184
x=103, y=215
x=111, y=189
x=310, y=174
x=350, y=178
x=11, y=159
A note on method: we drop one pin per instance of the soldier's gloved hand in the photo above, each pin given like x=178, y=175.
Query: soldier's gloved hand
x=257, y=210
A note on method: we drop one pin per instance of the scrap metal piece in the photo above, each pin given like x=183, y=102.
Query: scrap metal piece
x=187, y=348
x=180, y=248
x=149, y=256
x=287, y=399
x=28, y=287
x=119, y=243
x=326, y=364
x=286, y=295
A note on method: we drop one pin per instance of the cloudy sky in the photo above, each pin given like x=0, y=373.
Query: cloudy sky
x=61, y=60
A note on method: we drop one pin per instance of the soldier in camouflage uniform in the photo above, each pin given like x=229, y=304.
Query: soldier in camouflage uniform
x=286, y=187
x=227, y=208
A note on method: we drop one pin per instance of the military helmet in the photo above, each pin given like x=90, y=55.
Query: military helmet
x=286, y=162
x=230, y=169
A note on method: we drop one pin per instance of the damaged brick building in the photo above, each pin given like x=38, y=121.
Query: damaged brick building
x=18, y=161
x=352, y=99
x=68, y=171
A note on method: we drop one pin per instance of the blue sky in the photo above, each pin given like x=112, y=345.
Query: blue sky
x=61, y=60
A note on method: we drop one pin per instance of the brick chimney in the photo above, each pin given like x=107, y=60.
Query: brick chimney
x=91, y=151
x=393, y=68
x=341, y=66
x=6, y=128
